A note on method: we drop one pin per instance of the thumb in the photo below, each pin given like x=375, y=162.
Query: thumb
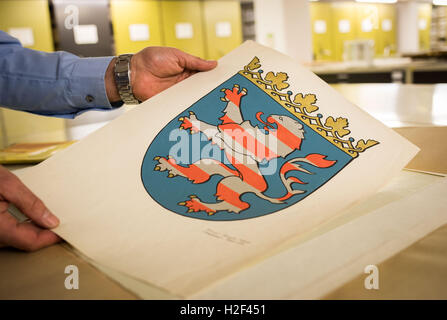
x=30, y=205
x=195, y=63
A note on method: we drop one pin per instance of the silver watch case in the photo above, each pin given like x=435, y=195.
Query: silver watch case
x=122, y=79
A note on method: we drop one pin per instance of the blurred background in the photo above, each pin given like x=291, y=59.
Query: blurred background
x=387, y=56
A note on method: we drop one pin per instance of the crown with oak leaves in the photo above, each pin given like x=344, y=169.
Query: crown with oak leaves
x=303, y=106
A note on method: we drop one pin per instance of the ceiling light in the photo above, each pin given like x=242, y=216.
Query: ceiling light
x=381, y=1
x=440, y=2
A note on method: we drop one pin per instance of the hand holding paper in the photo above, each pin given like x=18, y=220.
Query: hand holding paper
x=27, y=236
x=155, y=69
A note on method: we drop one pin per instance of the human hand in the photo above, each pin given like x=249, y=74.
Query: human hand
x=155, y=69
x=30, y=235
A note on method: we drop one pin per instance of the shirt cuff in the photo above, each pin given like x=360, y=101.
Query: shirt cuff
x=87, y=86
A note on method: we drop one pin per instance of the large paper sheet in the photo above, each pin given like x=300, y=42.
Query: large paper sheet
x=372, y=224
x=316, y=267
x=267, y=151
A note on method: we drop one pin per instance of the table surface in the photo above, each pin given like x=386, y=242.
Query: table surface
x=41, y=275
x=420, y=271
x=377, y=65
x=400, y=105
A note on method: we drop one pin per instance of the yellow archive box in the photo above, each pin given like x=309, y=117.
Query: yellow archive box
x=223, y=27
x=333, y=23
x=183, y=26
x=323, y=33
x=424, y=25
x=29, y=21
x=377, y=22
x=136, y=24
x=387, y=43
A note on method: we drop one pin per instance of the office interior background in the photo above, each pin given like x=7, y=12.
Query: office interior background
x=353, y=42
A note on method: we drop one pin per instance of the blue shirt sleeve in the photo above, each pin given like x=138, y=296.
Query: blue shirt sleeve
x=53, y=84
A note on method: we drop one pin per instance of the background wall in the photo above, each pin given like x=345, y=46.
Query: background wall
x=285, y=26
x=408, y=32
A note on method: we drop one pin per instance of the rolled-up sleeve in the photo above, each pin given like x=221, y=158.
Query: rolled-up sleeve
x=53, y=84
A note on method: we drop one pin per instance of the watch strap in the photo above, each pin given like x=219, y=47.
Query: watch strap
x=122, y=79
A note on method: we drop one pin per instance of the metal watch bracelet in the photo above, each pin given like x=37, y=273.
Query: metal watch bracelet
x=122, y=79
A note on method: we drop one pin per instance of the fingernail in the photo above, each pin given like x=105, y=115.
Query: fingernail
x=50, y=219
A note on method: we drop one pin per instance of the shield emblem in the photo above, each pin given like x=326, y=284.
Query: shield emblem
x=246, y=149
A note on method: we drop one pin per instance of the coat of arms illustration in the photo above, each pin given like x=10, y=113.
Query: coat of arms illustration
x=246, y=149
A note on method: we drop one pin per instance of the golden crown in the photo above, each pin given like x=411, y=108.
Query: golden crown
x=302, y=105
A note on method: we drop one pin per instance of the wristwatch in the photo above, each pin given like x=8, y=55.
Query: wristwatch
x=122, y=79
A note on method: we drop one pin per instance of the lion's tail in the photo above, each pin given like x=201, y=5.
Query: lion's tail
x=315, y=159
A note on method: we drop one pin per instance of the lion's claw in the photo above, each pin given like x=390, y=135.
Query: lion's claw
x=195, y=205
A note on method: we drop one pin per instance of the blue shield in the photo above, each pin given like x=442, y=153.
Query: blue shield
x=214, y=161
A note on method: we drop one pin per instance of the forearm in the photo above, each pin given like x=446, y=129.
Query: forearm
x=54, y=83
x=65, y=85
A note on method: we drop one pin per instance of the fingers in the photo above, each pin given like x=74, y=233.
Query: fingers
x=195, y=63
x=25, y=236
x=14, y=191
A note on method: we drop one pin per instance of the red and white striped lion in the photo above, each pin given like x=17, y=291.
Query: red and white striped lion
x=245, y=146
